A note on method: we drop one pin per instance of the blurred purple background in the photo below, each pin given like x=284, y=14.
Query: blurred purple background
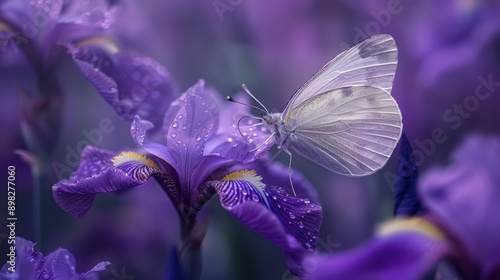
x=447, y=83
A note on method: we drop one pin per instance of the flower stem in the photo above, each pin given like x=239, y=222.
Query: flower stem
x=192, y=234
x=39, y=173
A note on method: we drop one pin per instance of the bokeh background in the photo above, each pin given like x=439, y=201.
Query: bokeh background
x=448, y=51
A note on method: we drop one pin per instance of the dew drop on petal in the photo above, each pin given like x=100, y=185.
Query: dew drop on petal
x=229, y=139
x=198, y=137
x=244, y=192
x=255, y=197
x=173, y=134
x=300, y=224
x=292, y=216
x=184, y=127
x=307, y=201
x=175, y=124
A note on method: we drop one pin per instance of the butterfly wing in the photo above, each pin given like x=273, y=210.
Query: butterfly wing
x=352, y=130
x=372, y=62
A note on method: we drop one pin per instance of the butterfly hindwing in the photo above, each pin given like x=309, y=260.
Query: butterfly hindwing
x=351, y=131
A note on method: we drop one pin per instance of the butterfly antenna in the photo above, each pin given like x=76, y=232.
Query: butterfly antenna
x=230, y=99
x=245, y=88
x=242, y=136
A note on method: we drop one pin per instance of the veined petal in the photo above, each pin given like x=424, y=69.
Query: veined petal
x=132, y=84
x=188, y=133
x=209, y=96
x=406, y=201
x=271, y=213
x=301, y=218
x=102, y=171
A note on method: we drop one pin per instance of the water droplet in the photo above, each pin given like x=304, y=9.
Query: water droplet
x=254, y=134
x=309, y=247
x=255, y=197
x=198, y=137
x=45, y=276
x=179, y=117
x=284, y=199
x=274, y=197
x=184, y=127
x=179, y=141
x=307, y=201
x=300, y=224
x=173, y=134
x=244, y=192
x=175, y=124
x=292, y=216
x=229, y=139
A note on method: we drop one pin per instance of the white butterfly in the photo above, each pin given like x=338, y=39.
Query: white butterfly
x=344, y=117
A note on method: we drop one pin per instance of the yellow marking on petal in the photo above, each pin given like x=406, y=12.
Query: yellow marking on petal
x=4, y=26
x=100, y=41
x=245, y=175
x=414, y=224
x=125, y=157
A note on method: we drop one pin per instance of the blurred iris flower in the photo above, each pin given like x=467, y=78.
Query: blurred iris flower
x=58, y=265
x=456, y=221
x=199, y=152
x=43, y=31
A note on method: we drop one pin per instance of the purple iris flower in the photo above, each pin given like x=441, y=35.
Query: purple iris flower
x=42, y=31
x=459, y=224
x=58, y=265
x=201, y=153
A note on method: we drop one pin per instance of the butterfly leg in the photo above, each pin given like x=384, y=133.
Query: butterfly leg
x=290, y=171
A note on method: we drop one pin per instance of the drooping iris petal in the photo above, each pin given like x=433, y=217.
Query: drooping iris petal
x=188, y=133
x=300, y=217
x=132, y=84
x=291, y=223
x=27, y=259
x=97, y=173
x=58, y=265
x=465, y=195
x=404, y=255
x=406, y=201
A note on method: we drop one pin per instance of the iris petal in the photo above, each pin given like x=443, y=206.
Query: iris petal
x=132, y=84
x=300, y=217
x=405, y=255
x=97, y=174
x=291, y=223
x=465, y=196
x=406, y=201
x=187, y=134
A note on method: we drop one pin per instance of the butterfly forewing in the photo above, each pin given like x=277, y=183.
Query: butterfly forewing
x=351, y=130
x=370, y=63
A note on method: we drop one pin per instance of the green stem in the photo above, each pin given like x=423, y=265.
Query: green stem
x=39, y=172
